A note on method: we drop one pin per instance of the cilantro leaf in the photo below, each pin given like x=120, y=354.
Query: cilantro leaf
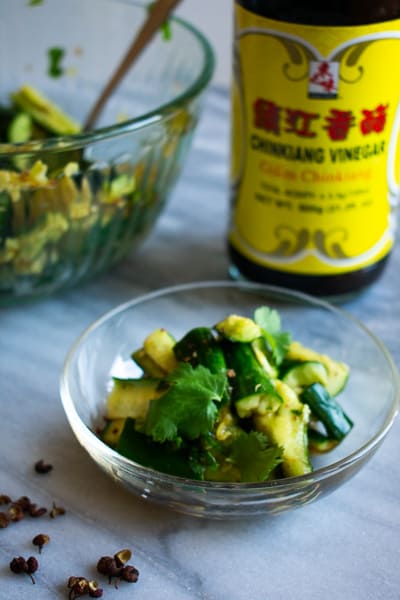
x=254, y=457
x=55, y=56
x=35, y=2
x=166, y=30
x=189, y=408
x=270, y=323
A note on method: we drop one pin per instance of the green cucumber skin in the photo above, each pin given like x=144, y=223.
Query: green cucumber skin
x=142, y=449
x=6, y=215
x=199, y=347
x=304, y=374
x=328, y=411
x=249, y=377
x=148, y=366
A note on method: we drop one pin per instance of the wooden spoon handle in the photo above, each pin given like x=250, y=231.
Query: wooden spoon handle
x=159, y=13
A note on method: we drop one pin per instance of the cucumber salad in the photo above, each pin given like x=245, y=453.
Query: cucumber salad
x=238, y=401
x=70, y=211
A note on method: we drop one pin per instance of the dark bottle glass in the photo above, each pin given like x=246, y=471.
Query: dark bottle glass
x=329, y=14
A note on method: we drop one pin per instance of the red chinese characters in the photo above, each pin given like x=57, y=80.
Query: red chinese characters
x=339, y=123
x=276, y=119
x=299, y=122
x=374, y=120
x=267, y=115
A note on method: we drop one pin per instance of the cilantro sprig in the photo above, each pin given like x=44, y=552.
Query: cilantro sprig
x=278, y=341
x=189, y=408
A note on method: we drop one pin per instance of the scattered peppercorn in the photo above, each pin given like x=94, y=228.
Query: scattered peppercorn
x=40, y=540
x=19, y=565
x=107, y=565
x=111, y=566
x=24, y=502
x=94, y=590
x=15, y=512
x=56, y=511
x=80, y=586
x=122, y=556
x=130, y=574
x=42, y=467
x=36, y=511
x=115, y=566
x=33, y=566
x=4, y=520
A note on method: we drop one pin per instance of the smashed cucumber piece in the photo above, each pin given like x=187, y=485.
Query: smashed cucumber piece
x=20, y=129
x=302, y=374
x=43, y=111
x=337, y=372
x=143, y=450
x=327, y=409
x=238, y=329
x=159, y=348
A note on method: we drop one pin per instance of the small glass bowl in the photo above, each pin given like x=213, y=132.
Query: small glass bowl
x=371, y=397
x=60, y=224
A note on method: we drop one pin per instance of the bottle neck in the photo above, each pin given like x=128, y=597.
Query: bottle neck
x=326, y=12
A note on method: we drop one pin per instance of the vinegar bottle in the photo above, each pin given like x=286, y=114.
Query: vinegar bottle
x=315, y=124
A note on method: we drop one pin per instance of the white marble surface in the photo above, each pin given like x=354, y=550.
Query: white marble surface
x=215, y=20
x=344, y=547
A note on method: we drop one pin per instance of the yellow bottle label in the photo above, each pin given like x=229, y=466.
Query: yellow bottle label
x=315, y=163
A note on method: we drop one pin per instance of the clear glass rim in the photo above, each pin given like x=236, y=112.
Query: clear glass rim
x=282, y=485
x=70, y=142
